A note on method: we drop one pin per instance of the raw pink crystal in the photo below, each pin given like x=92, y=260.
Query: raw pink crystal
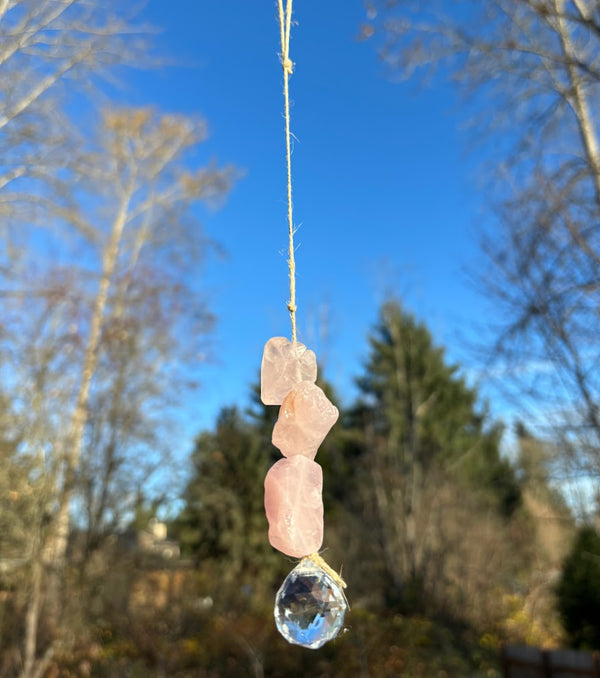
x=284, y=364
x=305, y=417
x=294, y=506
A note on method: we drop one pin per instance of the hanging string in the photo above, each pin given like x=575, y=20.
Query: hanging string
x=285, y=24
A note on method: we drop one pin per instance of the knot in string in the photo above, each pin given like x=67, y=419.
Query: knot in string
x=288, y=66
x=337, y=578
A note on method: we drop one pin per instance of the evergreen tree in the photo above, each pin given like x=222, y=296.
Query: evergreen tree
x=224, y=490
x=422, y=432
x=579, y=590
x=222, y=525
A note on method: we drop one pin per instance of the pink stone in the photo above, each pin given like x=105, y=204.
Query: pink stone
x=294, y=506
x=284, y=364
x=305, y=418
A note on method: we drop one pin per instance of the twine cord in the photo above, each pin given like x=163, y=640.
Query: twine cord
x=317, y=559
x=285, y=24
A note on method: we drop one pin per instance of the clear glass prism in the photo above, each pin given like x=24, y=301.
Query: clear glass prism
x=310, y=606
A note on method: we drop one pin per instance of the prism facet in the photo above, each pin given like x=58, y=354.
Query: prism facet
x=294, y=506
x=305, y=418
x=309, y=606
x=284, y=364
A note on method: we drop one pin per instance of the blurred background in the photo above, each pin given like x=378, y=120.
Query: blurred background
x=446, y=163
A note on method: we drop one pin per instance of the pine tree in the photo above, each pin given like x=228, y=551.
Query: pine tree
x=579, y=590
x=222, y=524
x=424, y=436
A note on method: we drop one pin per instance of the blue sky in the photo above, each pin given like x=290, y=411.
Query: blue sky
x=385, y=196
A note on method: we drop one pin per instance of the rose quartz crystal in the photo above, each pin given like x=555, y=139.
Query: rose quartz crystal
x=294, y=506
x=284, y=364
x=305, y=417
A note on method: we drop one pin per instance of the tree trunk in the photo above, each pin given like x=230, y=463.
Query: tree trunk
x=578, y=100
x=55, y=549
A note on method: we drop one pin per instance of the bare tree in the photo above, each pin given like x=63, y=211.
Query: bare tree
x=532, y=70
x=120, y=324
x=36, y=349
x=88, y=258
x=47, y=47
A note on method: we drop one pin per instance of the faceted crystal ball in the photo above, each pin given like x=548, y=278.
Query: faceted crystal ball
x=310, y=606
x=305, y=418
x=284, y=364
x=294, y=506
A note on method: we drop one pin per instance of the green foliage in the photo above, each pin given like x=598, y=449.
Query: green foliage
x=21, y=481
x=424, y=441
x=579, y=590
x=223, y=517
x=487, y=470
x=221, y=490
x=419, y=401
